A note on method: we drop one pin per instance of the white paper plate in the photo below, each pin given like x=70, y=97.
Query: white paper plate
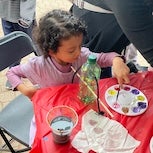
x=131, y=101
x=151, y=145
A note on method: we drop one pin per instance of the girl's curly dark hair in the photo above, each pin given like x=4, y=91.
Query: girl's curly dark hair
x=55, y=26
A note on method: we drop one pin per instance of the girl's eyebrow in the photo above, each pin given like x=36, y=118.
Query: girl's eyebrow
x=70, y=48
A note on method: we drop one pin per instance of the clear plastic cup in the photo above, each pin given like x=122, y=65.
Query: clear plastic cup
x=62, y=119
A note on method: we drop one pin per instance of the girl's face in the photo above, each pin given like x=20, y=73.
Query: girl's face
x=68, y=51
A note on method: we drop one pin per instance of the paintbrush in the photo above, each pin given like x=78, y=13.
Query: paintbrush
x=118, y=93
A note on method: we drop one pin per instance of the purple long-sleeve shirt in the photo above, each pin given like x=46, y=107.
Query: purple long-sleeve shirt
x=47, y=72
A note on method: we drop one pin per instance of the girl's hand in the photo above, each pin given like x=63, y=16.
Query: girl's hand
x=27, y=91
x=120, y=71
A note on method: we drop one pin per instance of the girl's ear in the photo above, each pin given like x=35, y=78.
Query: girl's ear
x=51, y=53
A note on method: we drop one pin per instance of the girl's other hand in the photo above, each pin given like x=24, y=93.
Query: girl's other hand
x=27, y=91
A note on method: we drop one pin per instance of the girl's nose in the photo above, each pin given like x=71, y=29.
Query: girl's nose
x=78, y=52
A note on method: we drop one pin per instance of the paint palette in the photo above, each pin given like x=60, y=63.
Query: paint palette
x=151, y=145
x=131, y=101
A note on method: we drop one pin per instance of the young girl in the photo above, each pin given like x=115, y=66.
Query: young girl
x=60, y=36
